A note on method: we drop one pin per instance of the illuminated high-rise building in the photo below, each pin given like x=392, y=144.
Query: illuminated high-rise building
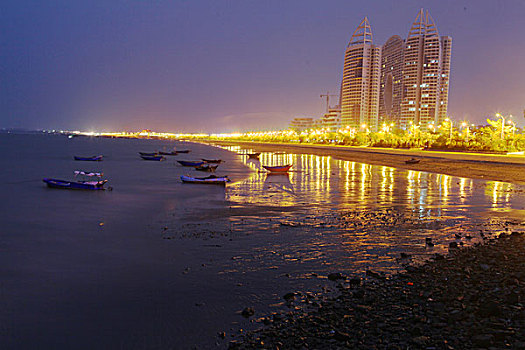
x=391, y=82
x=360, y=84
x=426, y=74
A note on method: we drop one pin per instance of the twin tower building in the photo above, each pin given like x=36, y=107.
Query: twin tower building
x=404, y=82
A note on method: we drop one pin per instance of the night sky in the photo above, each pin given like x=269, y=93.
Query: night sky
x=217, y=66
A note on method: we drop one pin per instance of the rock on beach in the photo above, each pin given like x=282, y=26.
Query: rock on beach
x=473, y=299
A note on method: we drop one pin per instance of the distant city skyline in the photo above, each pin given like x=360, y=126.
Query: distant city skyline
x=215, y=66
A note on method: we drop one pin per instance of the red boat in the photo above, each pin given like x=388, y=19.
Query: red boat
x=278, y=169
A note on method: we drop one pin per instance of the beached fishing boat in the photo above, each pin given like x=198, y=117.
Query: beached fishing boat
x=172, y=153
x=184, y=151
x=253, y=155
x=210, y=180
x=207, y=167
x=214, y=161
x=190, y=163
x=75, y=185
x=412, y=161
x=157, y=158
x=149, y=154
x=92, y=159
x=78, y=185
x=278, y=169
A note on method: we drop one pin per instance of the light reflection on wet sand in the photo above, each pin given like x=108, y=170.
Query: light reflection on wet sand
x=355, y=216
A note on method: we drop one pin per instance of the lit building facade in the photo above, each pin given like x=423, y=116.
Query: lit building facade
x=302, y=124
x=360, y=84
x=331, y=121
x=426, y=74
x=391, y=82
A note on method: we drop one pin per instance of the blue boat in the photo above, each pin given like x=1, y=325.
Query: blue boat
x=210, y=180
x=148, y=154
x=157, y=157
x=75, y=185
x=190, y=163
x=92, y=159
x=79, y=185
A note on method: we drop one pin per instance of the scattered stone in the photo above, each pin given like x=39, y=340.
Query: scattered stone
x=289, y=296
x=334, y=276
x=471, y=299
x=355, y=281
x=248, y=312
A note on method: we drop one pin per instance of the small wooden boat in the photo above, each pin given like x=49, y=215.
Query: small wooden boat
x=184, y=151
x=75, y=185
x=254, y=155
x=210, y=180
x=190, y=163
x=278, y=169
x=157, y=158
x=148, y=154
x=214, y=161
x=173, y=153
x=91, y=159
x=207, y=167
x=78, y=185
x=412, y=161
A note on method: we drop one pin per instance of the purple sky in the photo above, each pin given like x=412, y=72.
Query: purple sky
x=241, y=65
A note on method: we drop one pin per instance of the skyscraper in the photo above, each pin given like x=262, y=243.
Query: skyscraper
x=426, y=74
x=391, y=83
x=360, y=84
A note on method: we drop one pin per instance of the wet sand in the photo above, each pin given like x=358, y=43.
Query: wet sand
x=471, y=299
x=505, y=168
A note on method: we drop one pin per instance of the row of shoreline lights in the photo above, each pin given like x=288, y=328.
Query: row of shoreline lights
x=388, y=127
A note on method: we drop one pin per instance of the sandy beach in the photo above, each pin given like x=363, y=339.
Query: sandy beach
x=505, y=168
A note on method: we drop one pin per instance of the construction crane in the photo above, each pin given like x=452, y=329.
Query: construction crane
x=327, y=95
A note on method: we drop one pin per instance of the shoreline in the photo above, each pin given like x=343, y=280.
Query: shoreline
x=504, y=168
x=471, y=298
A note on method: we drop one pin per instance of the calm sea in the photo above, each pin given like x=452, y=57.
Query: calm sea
x=158, y=264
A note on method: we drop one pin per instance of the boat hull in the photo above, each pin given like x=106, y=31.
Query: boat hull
x=207, y=167
x=278, y=169
x=89, y=159
x=75, y=185
x=154, y=158
x=412, y=161
x=188, y=163
x=210, y=180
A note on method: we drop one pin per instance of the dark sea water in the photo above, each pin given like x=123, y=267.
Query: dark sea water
x=157, y=264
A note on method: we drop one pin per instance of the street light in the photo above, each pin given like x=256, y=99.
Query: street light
x=465, y=124
x=509, y=121
x=502, y=125
x=451, y=125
